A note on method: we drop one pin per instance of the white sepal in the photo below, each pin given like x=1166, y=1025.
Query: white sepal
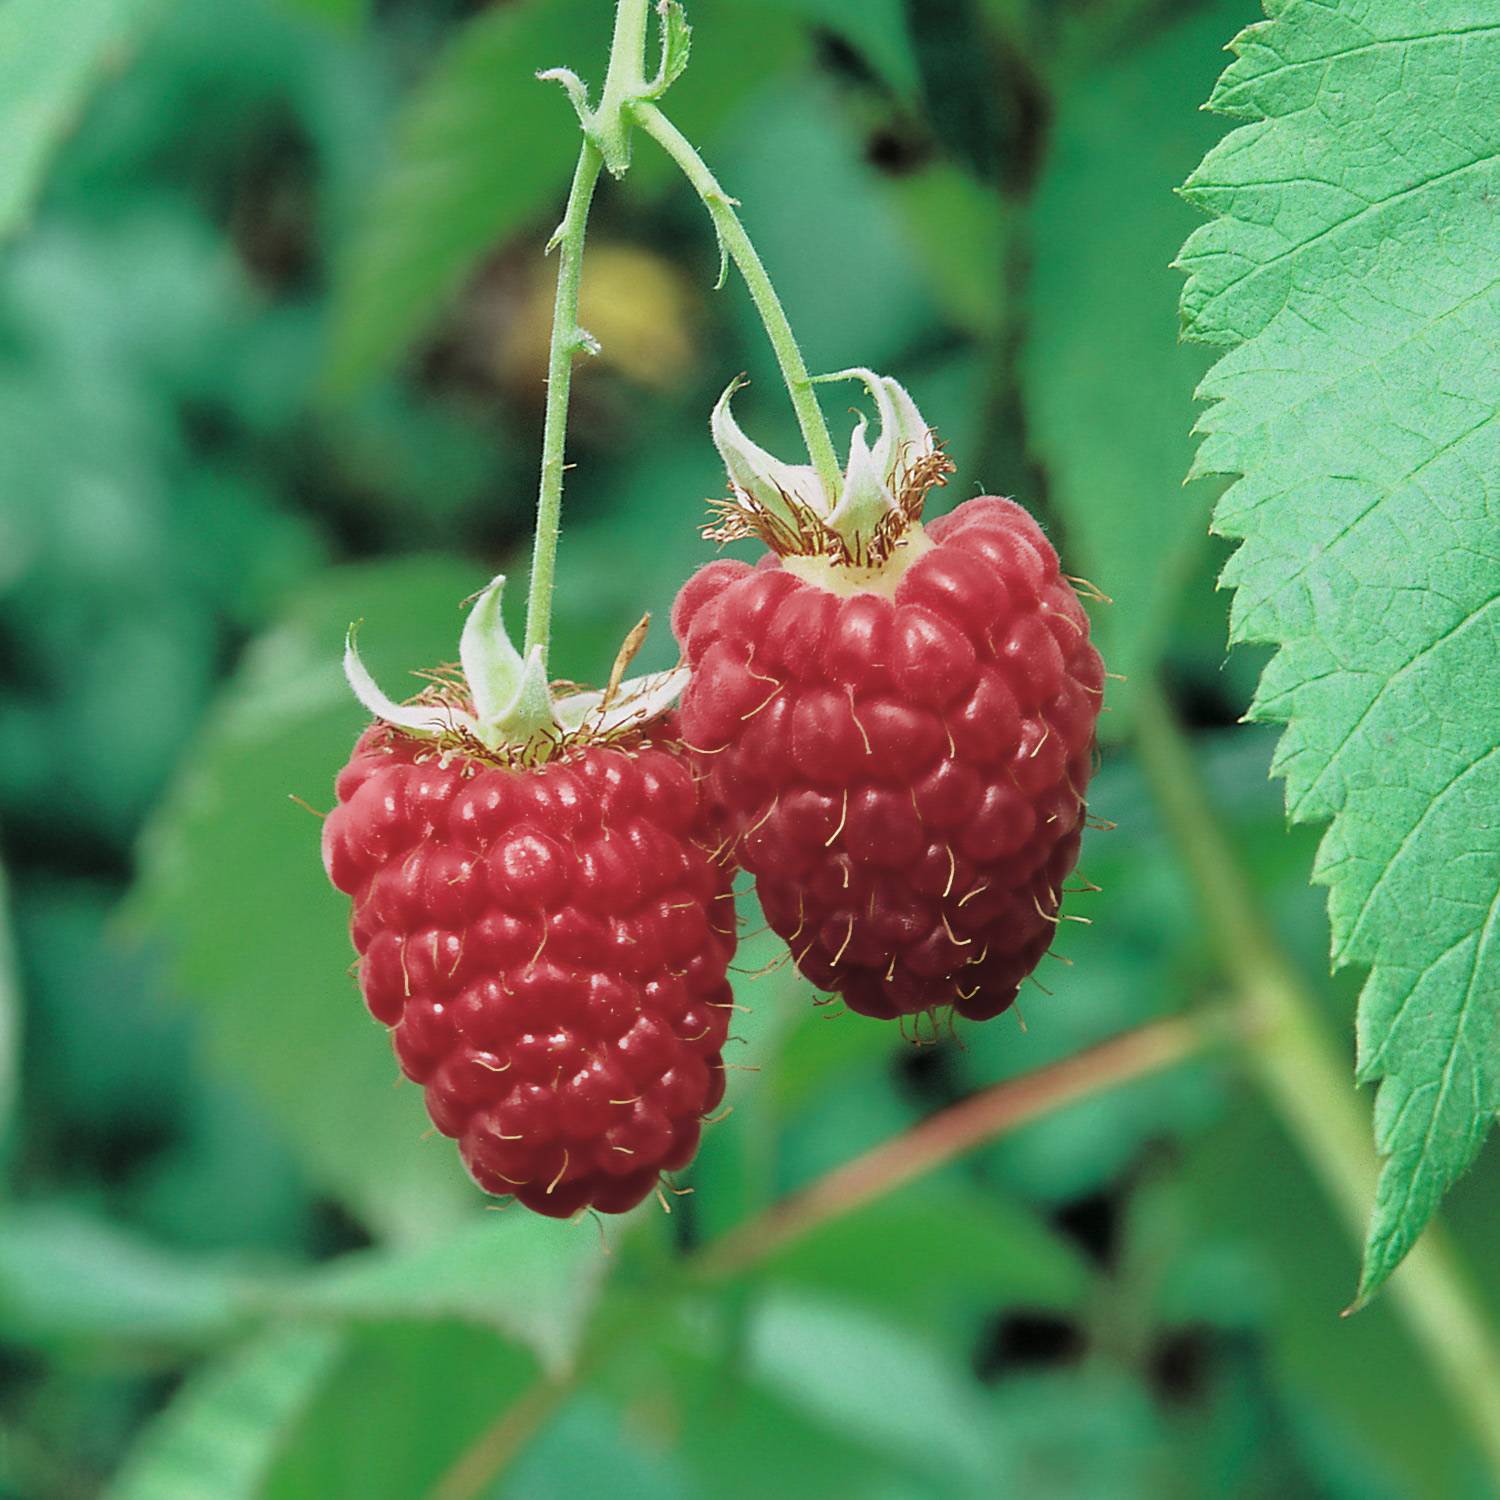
x=867, y=497
x=492, y=666
x=511, y=696
x=637, y=701
x=418, y=718
x=528, y=714
x=760, y=476
x=572, y=709
x=872, y=483
x=512, y=699
x=904, y=436
x=873, y=478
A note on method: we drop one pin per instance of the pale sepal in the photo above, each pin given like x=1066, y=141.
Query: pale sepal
x=492, y=665
x=872, y=482
x=637, y=701
x=867, y=498
x=761, y=477
x=510, y=693
x=905, y=436
x=416, y=717
x=512, y=701
x=528, y=715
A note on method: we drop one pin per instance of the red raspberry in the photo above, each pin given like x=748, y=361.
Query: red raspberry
x=904, y=762
x=549, y=947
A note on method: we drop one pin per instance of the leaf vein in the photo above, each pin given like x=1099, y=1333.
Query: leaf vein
x=1370, y=206
x=1415, y=829
x=1486, y=934
x=1379, y=43
x=1399, y=674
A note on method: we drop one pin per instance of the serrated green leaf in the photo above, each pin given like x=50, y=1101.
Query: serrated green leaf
x=1352, y=264
x=483, y=150
x=232, y=882
x=221, y=1434
x=52, y=53
x=1108, y=388
x=676, y=44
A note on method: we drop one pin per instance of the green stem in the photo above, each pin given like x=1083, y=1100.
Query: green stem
x=624, y=102
x=567, y=340
x=626, y=78
x=737, y=244
x=1311, y=1086
x=610, y=125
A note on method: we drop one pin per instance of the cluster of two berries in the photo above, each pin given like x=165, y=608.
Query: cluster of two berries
x=897, y=752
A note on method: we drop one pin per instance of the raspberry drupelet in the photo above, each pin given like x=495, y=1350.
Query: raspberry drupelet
x=899, y=732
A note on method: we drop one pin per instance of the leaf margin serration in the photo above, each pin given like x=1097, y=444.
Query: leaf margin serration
x=1412, y=1179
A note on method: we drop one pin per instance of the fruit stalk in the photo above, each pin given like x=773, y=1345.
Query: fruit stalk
x=606, y=130
x=1310, y=1087
x=737, y=245
x=567, y=340
x=628, y=99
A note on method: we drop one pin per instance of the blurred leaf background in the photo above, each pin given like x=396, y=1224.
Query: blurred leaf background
x=273, y=319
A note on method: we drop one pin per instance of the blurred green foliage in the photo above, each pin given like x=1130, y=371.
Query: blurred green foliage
x=270, y=361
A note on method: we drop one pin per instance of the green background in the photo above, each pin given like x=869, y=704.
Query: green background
x=272, y=332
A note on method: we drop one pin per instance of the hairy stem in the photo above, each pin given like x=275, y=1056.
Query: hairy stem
x=609, y=124
x=567, y=340
x=1311, y=1086
x=736, y=244
x=626, y=77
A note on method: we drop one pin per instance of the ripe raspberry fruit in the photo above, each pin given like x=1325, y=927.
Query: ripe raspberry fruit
x=897, y=722
x=541, y=926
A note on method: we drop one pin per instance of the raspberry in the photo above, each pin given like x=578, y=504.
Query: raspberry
x=538, y=919
x=900, y=741
x=548, y=947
